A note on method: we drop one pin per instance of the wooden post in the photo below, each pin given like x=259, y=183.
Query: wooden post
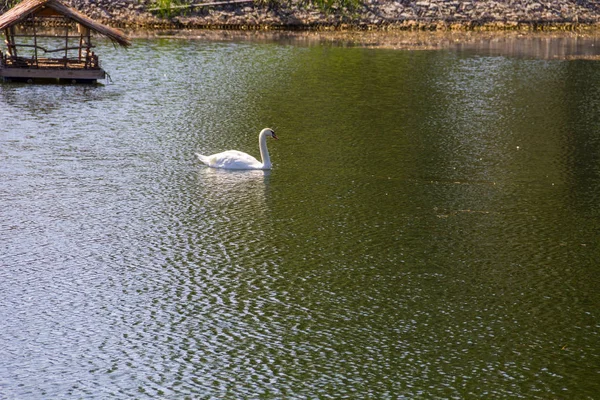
x=35, y=49
x=80, y=47
x=80, y=30
x=84, y=41
x=88, y=49
x=66, y=43
x=11, y=40
x=7, y=42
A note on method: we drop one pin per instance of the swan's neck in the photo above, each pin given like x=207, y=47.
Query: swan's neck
x=264, y=153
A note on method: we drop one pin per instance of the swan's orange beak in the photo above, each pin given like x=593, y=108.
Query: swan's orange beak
x=275, y=136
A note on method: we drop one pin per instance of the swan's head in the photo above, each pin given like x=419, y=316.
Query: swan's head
x=269, y=132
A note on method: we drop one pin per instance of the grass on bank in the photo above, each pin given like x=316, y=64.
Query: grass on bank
x=171, y=8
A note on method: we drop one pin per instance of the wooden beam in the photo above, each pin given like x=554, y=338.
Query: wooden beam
x=65, y=49
x=43, y=48
x=52, y=73
x=47, y=36
x=33, y=46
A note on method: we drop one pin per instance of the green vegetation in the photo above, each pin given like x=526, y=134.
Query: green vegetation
x=6, y=5
x=330, y=5
x=170, y=8
x=325, y=5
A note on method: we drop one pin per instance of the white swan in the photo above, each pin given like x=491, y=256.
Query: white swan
x=233, y=159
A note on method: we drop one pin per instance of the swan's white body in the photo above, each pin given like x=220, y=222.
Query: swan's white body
x=233, y=159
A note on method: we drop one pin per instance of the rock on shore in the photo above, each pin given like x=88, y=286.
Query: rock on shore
x=369, y=15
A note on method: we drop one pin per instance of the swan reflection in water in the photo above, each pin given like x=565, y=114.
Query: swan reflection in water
x=238, y=191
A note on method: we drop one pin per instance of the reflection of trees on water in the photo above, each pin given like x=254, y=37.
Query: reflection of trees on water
x=546, y=46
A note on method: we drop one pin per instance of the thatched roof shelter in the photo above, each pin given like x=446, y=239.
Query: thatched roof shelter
x=49, y=7
x=37, y=30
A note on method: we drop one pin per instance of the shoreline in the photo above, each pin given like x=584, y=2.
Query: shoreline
x=539, y=45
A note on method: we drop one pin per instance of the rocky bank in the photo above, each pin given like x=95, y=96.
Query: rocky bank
x=369, y=15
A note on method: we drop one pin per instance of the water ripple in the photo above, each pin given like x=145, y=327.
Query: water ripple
x=421, y=235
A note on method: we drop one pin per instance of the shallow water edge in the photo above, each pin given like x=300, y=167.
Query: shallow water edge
x=541, y=45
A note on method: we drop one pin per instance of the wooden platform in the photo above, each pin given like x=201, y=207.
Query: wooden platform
x=19, y=69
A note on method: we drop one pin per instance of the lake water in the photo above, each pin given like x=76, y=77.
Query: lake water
x=430, y=228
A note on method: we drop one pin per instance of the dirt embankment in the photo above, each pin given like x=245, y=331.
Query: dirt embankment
x=369, y=15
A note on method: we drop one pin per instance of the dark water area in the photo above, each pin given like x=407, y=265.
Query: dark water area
x=430, y=228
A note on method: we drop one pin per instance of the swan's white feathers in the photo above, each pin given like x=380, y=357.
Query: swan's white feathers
x=233, y=159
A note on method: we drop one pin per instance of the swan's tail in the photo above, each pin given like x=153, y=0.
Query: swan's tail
x=204, y=159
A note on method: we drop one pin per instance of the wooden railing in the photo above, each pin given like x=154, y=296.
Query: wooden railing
x=90, y=62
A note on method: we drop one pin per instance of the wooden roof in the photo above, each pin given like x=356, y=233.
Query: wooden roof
x=43, y=7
